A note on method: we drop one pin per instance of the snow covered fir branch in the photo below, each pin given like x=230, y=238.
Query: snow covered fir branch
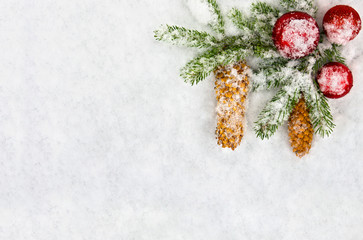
x=289, y=52
x=217, y=21
x=185, y=37
x=253, y=39
x=307, y=6
x=294, y=78
x=200, y=67
x=257, y=27
x=295, y=75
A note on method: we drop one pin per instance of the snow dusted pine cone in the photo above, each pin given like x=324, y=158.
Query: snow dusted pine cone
x=300, y=129
x=231, y=86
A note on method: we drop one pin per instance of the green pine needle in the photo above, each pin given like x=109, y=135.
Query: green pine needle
x=201, y=67
x=242, y=22
x=329, y=55
x=258, y=24
x=320, y=112
x=308, y=6
x=217, y=23
x=185, y=37
x=276, y=112
x=272, y=72
x=255, y=39
x=265, y=10
x=298, y=74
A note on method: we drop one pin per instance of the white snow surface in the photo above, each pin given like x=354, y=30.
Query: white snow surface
x=200, y=11
x=101, y=139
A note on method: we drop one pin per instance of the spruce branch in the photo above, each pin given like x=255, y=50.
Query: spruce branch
x=185, y=37
x=308, y=6
x=255, y=39
x=275, y=80
x=295, y=74
x=337, y=54
x=331, y=54
x=200, y=67
x=264, y=16
x=265, y=10
x=320, y=112
x=262, y=49
x=258, y=25
x=233, y=54
x=276, y=112
x=217, y=22
x=271, y=73
x=242, y=22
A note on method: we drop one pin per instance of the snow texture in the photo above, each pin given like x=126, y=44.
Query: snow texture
x=101, y=139
x=200, y=10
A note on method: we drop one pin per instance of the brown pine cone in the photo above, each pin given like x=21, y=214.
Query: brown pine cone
x=300, y=129
x=231, y=87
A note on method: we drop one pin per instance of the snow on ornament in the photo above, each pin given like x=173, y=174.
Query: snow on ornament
x=296, y=35
x=335, y=80
x=342, y=24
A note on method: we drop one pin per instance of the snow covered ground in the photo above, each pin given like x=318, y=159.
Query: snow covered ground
x=101, y=139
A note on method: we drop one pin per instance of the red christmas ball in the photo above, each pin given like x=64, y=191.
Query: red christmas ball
x=342, y=24
x=296, y=35
x=335, y=80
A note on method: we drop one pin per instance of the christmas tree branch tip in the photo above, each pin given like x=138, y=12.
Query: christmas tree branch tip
x=185, y=37
x=276, y=112
x=217, y=23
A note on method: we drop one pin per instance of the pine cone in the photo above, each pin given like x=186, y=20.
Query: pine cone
x=300, y=129
x=231, y=87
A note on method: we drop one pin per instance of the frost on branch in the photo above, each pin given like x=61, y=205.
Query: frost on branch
x=294, y=78
x=307, y=6
x=185, y=37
